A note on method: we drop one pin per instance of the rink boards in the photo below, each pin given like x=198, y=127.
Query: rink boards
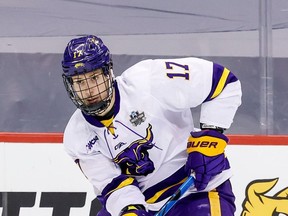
x=38, y=178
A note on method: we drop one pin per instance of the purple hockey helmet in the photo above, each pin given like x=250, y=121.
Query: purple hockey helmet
x=81, y=56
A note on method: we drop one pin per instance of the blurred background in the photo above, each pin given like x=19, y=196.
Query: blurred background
x=249, y=37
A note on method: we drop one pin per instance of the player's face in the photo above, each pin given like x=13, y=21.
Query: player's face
x=91, y=87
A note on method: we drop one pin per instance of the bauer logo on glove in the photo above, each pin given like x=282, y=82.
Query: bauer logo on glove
x=208, y=142
x=206, y=156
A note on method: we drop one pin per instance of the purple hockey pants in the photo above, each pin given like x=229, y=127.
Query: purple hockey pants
x=219, y=202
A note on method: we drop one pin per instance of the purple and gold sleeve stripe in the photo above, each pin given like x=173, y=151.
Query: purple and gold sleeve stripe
x=165, y=188
x=221, y=77
x=117, y=183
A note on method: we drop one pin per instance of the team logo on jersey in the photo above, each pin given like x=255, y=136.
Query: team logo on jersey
x=137, y=118
x=91, y=143
x=134, y=160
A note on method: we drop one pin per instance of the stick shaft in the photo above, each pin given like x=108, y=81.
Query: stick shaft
x=176, y=196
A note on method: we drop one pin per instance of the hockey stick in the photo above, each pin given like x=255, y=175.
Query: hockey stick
x=175, y=197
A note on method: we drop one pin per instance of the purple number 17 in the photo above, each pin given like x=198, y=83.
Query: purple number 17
x=169, y=65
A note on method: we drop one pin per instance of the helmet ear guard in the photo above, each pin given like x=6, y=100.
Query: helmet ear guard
x=84, y=55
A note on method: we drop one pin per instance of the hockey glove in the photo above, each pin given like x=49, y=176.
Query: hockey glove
x=134, y=210
x=206, y=156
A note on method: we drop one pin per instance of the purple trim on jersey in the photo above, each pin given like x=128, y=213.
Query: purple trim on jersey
x=103, y=212
x=117, y=99
x=175, y=178
x=217, y=74
x=107, y=191
x=97, y=123
x=77, y=161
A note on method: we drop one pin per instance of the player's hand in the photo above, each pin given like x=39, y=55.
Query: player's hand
x=206, y=156
x=135, y=210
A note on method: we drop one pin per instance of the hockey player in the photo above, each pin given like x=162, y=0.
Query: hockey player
x=133, y=136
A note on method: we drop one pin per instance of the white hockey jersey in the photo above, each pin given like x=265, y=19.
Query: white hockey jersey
x=139, y=156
